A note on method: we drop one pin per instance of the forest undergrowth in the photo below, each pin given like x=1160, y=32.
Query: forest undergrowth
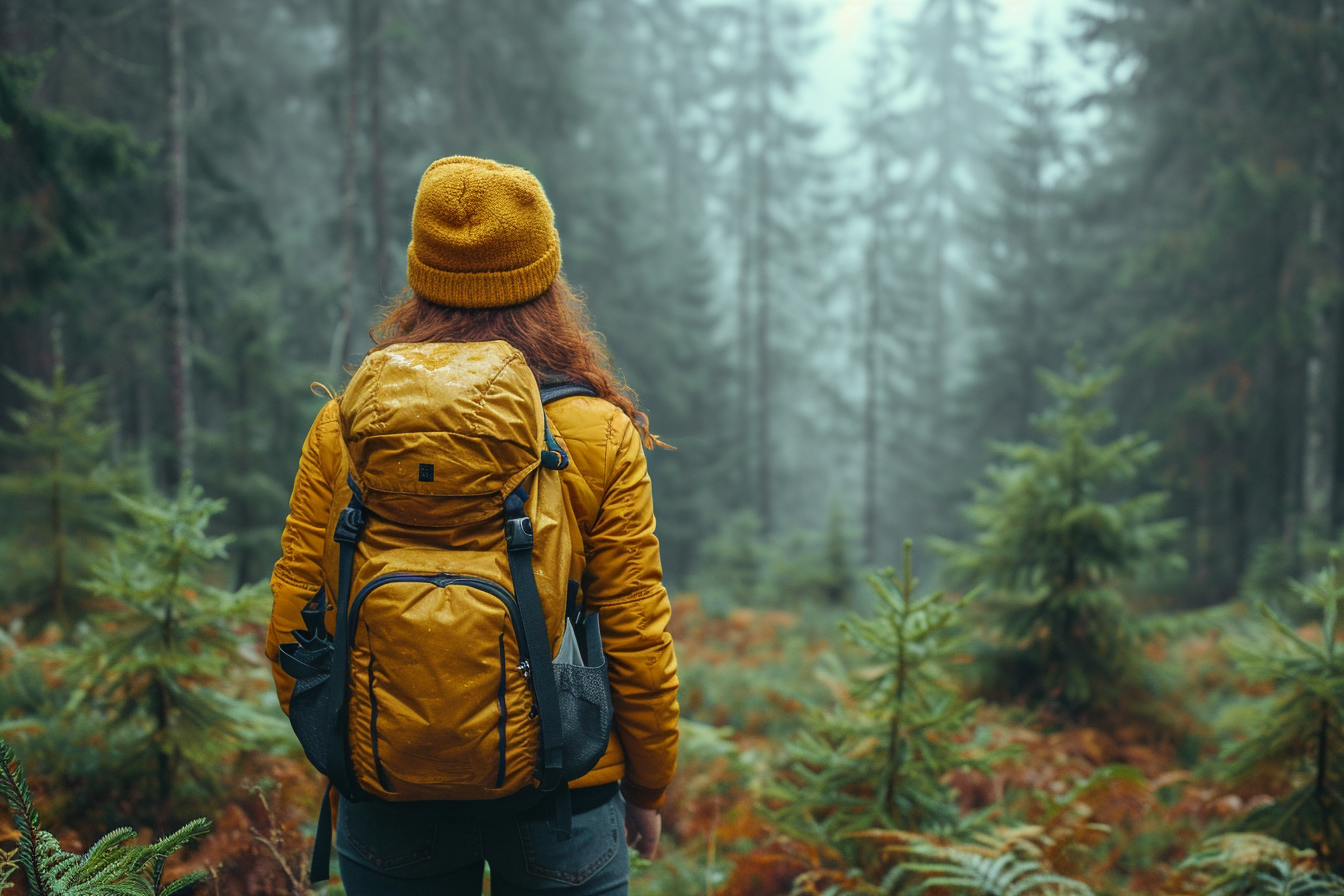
x=1124, y=802
x=1028, y=729
x=1136, y=800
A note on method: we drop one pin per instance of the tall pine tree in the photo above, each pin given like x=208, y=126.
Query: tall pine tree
x=1222, y=193
x=772, y=214
x=953, y=110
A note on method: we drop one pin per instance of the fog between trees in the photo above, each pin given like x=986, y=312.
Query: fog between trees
x=1065, y=313
x=207, y=204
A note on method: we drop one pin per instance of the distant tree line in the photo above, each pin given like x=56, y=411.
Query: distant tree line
x=207, y=204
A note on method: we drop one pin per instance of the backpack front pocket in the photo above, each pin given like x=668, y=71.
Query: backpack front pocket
x=439, y=695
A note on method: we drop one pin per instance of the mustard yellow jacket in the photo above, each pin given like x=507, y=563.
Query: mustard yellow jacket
x=607, y=487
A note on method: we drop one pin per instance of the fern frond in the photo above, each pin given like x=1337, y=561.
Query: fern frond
x=113, y=866
x=1257, y=865
x=106, y=856
x=1276, y=877
x=14, y=790
x=170, y=844
x=182, y=883
x=959, y=871
x=52, y=863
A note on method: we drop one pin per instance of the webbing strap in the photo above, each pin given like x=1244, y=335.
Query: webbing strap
x=320, y=868
x=560, y=814
x=553, y=457
x=349, y=528
x=518, y=535
x=348, y=531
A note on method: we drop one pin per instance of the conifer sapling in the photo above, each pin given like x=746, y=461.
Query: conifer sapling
x=880, y=761
x=58, y=496
x=1055, y=536
x=164, y=664
x=1303, y=733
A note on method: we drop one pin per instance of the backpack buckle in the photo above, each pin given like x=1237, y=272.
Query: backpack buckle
x=349, y=526
x=553, y=457
x=518, y=533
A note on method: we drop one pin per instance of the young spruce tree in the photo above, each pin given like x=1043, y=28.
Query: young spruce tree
x=1055, y=537
x=161, y=667
x=878, y=759
x=1303, y=734
x=57, y=494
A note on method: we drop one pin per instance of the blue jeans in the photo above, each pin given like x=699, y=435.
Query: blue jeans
x=405, y=849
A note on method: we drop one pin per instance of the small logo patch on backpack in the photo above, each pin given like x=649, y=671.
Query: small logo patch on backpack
x=426, y=472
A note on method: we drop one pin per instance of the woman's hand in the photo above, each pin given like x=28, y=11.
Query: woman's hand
x=642, y=829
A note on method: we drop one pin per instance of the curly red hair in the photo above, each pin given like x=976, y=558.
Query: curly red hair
x=552, y=331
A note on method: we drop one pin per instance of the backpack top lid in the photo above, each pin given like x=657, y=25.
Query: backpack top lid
x=441, y=432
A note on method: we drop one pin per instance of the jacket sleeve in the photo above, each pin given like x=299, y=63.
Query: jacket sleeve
x=298, y=573
x=624, y=579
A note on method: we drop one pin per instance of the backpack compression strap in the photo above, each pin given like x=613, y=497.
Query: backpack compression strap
x=518, y=535
x=349, y=528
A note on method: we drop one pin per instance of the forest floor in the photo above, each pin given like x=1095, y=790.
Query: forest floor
x=1117, y=805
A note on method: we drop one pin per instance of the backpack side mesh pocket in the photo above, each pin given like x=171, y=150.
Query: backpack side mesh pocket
x=585, y=698
x=308, y=661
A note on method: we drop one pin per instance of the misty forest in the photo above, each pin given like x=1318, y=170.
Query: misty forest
x=1000, y=351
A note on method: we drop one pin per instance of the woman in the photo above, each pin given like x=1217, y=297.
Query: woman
x=483, y=264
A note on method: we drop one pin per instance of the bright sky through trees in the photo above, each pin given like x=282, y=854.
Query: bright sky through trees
x=835, y=67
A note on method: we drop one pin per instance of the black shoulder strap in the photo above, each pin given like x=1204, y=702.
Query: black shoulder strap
x=554, y=457
x=557, y=391
x=518, y=535
x=349, y=529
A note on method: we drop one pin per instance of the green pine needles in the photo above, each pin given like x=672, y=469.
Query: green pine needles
x=113, y=866
x=160, y=666
x=1055, y=537
x=58, y=496
x=878, y=759
x=1303, y=732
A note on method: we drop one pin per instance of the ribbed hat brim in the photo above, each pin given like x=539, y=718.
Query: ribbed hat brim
x=484, y=289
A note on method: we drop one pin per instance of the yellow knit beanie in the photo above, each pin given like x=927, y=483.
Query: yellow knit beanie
x=482, y=235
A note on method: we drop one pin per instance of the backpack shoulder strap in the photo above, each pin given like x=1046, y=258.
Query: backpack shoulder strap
x=556, y=391
x=555, y=457
x=536, y=646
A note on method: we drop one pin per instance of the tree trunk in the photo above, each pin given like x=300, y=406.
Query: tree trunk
x=1318, y=468
x=871, y=399
x=1318, y=462
x=8, y=25
x=764, y=447
x=340, y=337
x=58, y=496
x=743, y=425
x=183, y=422
x=377, y=180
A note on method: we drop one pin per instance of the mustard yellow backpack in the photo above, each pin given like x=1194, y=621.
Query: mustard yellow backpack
x=446, y=576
